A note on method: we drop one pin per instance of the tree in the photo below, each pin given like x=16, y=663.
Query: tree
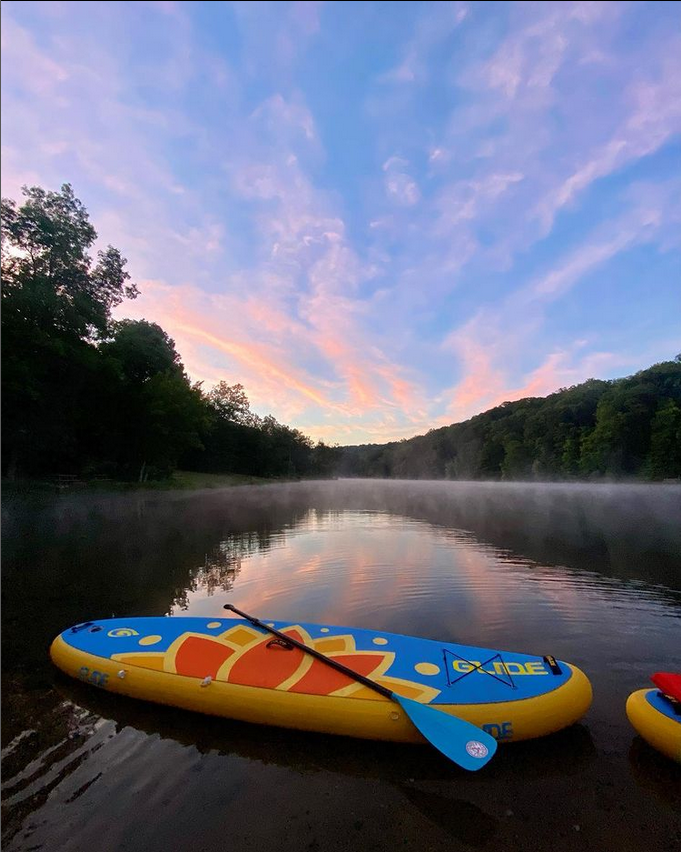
x=172, y=418
x=56, y=300
x=142, y=350
x=325, y=459
x=516, y=462
x=231, y=403
x=620, y=442
x=664, y=458
x=572, y=451
x=159, y=415
x=49, y=278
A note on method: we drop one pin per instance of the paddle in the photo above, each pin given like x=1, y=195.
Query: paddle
x=460, y=741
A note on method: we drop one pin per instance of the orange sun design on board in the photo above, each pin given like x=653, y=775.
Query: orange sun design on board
x=242, y=655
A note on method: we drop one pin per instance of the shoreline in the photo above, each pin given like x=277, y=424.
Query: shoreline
x=183, y=480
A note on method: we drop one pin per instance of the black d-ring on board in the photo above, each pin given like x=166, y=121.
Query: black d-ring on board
x=280, y=643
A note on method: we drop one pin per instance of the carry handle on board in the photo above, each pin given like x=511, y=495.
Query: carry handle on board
x=465, y=744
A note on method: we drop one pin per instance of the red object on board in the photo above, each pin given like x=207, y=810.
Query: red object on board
x=669, y=683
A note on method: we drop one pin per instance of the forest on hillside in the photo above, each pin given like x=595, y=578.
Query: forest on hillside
x=623, y=428
x=89, y=396
x=84, y=394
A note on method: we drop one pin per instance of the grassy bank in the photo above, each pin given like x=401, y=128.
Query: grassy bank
x=187, y=479
x=181, y=480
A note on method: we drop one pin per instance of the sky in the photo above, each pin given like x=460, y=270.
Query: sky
x=380, y=218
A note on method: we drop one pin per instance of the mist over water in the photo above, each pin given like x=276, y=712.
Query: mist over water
x=589, y=573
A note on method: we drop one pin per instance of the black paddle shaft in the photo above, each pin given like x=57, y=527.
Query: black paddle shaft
x=289, y=640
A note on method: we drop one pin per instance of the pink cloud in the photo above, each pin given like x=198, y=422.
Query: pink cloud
x=488, y=345
x=481, y=381
x=431, y=29
x=192, y=317
x=305, y=14
x=280, y=114
x=307, y=239
x=467, y=200
x=541, y=38
x=252, y=356
x=655, y=117
x=253, y=340
x=487, y=382
x=584, y=260
x=558, y=371
x=649, y=211
x=400, y=187
x=40, y=74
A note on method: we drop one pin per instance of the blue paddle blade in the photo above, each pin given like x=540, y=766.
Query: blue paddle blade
x=465, y=744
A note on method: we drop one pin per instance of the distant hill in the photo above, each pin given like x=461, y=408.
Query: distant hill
x=623, y=428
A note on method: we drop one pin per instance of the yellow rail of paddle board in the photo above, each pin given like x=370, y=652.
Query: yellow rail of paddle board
x=660, y=731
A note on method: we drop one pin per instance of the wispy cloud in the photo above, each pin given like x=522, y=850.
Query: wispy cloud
x=488, y=378
x=431, y=30
x=490, y=345
x=399, y=185
x=374, y=233
x=655, y=116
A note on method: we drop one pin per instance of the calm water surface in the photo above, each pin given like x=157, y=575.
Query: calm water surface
x=591, y=574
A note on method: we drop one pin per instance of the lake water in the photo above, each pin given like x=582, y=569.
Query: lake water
x=590, y=574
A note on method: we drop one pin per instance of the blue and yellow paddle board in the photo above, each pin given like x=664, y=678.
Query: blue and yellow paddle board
x=228, y=667
x=657, y=718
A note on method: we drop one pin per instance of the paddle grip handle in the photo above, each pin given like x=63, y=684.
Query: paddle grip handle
x=329, y=661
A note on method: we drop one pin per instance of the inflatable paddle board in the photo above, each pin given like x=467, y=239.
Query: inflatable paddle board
x=228, y=667
x=656, y=714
